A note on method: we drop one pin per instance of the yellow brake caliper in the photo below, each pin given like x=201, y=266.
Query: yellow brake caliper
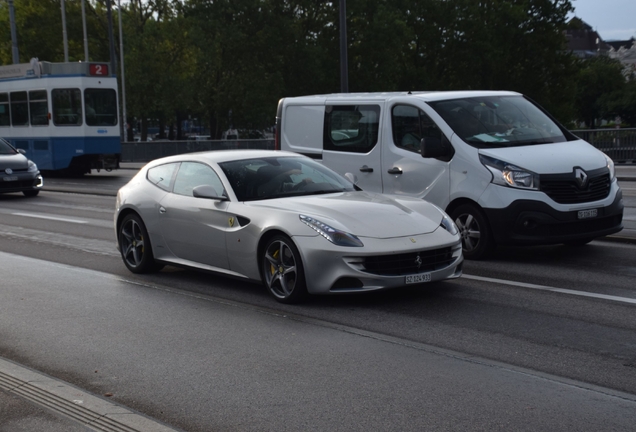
x=272, y=269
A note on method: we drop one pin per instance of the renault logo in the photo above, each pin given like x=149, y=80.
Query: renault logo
x=418, y=261
x=8, y=171
x=581, y=178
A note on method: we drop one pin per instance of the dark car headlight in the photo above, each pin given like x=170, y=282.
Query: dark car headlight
x=335, y=236
x=32, y=166
x=448, y=224
x=506, y=174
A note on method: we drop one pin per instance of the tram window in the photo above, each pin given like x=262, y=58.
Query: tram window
x=100, y=107
x=67, y=107
x=5, y=118
x=38, y=108
x=19, y=109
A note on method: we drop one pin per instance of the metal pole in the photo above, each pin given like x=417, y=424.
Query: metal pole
x=85, y=33
x=123, y=80
x=14, y=36
x=111, y=38
x=64, y=33
x=344, y=73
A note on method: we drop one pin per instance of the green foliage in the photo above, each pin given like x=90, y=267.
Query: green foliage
x=620, y=103
x=597, y=78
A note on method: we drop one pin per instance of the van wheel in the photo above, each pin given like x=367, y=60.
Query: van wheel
x=477, y=240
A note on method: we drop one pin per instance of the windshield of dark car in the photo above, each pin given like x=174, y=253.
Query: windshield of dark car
x=499, y=121
x=5, y=148
x=276, y=177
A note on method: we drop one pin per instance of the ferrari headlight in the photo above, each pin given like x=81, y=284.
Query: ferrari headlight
x=335, y=236
x=506, y=174
x=448, y=224
x=32, y=166
x=610, y=167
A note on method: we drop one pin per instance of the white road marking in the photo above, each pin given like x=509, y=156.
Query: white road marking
x=547, y=288
x=55, y=218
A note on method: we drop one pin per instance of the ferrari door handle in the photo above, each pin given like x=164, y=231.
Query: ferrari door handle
x=162, y=210
x=365, y=168
x=395, y=170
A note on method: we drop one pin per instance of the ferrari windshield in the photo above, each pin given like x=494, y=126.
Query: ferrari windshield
x=276, y=177
x=498, y=121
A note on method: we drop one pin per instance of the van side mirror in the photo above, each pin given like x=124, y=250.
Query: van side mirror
x=208, y=192
x=436, y=148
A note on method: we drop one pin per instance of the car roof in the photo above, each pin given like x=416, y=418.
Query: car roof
x=427, y=96
x=220, y=156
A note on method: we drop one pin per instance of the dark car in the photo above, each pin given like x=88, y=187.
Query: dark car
x=17, y=173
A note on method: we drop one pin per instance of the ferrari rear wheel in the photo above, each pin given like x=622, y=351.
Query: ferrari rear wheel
x=282, y=270
x=134, y=245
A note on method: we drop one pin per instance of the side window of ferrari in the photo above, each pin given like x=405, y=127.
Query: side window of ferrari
x=193, y=174
x=161, y=176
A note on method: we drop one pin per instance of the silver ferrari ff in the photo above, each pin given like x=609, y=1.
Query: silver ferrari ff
x=283, y=219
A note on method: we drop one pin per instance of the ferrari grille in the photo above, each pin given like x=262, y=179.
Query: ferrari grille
x=407, y=263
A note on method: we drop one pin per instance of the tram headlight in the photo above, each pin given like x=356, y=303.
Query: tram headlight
x=32, y=166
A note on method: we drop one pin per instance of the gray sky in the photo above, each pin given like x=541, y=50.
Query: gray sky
x=612, y=19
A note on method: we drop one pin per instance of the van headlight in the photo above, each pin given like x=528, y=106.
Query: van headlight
x=335, y=236
x=32, y=166
x=506, y=174
x=610, y=166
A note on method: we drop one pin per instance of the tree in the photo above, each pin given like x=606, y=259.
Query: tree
x=598, y=78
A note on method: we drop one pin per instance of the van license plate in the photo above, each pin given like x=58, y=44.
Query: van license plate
x=584, y=214
x=10, y=178
x=418, y=278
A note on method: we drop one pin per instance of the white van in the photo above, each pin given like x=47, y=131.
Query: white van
x=504, y=169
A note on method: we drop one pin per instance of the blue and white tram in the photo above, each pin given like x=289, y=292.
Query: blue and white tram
x=64, y=115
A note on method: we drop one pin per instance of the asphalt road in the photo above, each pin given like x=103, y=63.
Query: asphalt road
x=539, y=338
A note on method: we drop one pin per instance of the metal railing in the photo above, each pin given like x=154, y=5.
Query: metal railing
x=619, y=144
x=145, y=151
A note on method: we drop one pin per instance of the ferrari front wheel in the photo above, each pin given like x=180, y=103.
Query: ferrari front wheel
x=282, y=270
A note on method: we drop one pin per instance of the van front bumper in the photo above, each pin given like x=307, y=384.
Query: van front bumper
x=536, y=222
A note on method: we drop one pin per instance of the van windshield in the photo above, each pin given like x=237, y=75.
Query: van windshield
x=498, y=121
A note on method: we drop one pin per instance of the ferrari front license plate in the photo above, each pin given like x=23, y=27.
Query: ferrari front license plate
x=584, y=214
x=418, y=278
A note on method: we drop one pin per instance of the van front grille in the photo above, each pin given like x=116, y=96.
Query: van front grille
x=568, y=188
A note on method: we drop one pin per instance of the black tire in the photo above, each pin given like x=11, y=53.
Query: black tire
x=31, y=193
x=474, y=230
x=135, y=247
x=282, y=270
x=577, y=243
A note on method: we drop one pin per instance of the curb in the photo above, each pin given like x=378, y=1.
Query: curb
x=72, y=402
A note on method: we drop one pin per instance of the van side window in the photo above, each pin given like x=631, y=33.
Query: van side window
x=351, y=128
x=410, y=125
